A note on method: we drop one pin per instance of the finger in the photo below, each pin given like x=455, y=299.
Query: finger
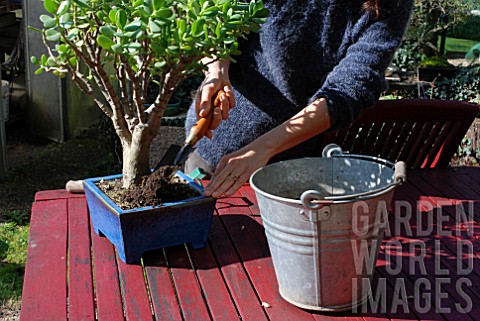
x=217, y=179
x=231, y=184
x=209, y=134
x=231, y=97
x=236, y=186
x=197, y=102
x=225, y=104
x=206, y=95
x=217, y=117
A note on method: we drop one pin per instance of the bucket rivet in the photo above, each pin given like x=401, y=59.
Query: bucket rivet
x=324, y=213
x=314, y=216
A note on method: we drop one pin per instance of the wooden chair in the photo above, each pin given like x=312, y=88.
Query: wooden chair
x=424, y=133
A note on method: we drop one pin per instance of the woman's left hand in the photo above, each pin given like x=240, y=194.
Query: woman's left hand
x=235, y=169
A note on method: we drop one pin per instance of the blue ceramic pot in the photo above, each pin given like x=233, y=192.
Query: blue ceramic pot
x=136, y=231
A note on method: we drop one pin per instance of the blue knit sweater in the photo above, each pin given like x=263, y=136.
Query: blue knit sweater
x=307, y=49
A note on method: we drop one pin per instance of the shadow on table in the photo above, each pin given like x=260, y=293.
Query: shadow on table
x=232, y=239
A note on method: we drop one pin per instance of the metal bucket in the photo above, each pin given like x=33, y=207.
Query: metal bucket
x=322, y=217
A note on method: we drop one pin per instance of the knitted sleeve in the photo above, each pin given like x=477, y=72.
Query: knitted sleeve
x=358, y=79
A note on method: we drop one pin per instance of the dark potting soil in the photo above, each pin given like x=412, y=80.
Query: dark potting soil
x=162, y=186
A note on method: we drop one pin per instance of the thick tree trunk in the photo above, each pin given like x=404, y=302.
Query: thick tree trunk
x=136, y=154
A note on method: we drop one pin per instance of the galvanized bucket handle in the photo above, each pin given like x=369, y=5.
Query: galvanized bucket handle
x=313, y=199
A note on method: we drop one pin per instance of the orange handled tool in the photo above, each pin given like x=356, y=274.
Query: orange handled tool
x=197, y=131
x=203, y=124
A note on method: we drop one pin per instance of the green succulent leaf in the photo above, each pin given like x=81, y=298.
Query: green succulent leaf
x=107, y=31
x=117, y=48
x=51, y=62
x=262, y=13
x=154, y=26
x=197, y=27
x=182, y=27
x=48, y=22
x=133, y=26
x=81, y=4
x=157, y=47
x=218, y=31
x=138, y=34
x=160, y=64
x=50, y=5
x=112, y=14
x=66, y=21
x=158, y=4
x=121, y=19
x=52, y=35
x=145, y=11
x=137, y=3
x=164, y=13
x=72, y=33
x=135, y=46
x=105, y=42
x=62, y=48
x=63, y=8
x=229, y=40
x=195, y=7
x=102, y=16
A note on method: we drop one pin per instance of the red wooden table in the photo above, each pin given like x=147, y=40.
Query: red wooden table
x=429, y=257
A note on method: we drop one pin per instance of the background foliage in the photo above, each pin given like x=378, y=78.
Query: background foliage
x=429, y=18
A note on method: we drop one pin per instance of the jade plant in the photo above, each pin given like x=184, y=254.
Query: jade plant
x=114, y=49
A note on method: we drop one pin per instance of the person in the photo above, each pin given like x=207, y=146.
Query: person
x=314, y=66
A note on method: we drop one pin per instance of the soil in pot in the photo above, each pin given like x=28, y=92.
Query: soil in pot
x=162, y=186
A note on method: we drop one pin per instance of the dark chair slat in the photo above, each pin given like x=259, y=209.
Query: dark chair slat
x=428, y=152
x=391, y=140
x=382, y=137
x=395, y=152
x=401, y=115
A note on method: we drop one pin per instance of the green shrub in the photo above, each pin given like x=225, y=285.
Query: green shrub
x=408, y=55
x=466, y=29
x=465, y=86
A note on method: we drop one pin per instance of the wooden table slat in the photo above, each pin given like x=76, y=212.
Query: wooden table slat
x=45, y=273
x=248, y=192
x=216, y=293
x=450, y=244
x=430, y=314
x=236, y=278
x=81, y=304
x=56, y=195
x=249, y=239
x=452, y=226
x=162, y=291
x=433, y=268
x=134, y=292
x=107, y=285
x=189, y=294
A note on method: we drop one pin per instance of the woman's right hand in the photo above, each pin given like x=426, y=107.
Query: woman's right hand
x=216, y=78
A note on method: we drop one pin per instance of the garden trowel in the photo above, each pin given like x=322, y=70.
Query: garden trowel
x=177, y=155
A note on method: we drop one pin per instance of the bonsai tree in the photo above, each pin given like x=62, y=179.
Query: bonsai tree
x=114, y=49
